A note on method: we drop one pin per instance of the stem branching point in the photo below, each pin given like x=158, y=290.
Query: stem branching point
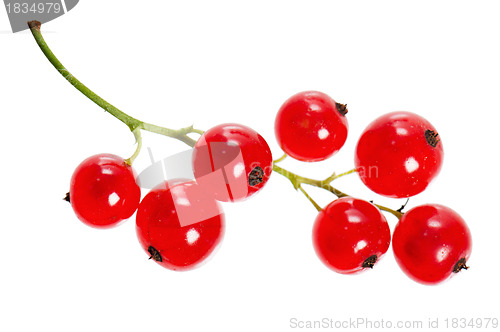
x=298, y=180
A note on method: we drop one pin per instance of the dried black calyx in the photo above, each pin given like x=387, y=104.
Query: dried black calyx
x=342, y=108
x=432, y=137
x=460, y=265
x=256, y=176
x=400, y=210
x=370, y=261
x=155, y=254
x=66, y=198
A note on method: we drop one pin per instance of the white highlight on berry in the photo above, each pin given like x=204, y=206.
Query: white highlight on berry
x=323, y=133
x=360, y=245
x=314, y=107
x=402, y=131
x=113, y=199
x=434, y=224
x=411, y=165
x=238, y=170
x=192, y=235
x=107, y=171
x=442, y=254
x=354, y=219
x=230, y=143
x=182, y=201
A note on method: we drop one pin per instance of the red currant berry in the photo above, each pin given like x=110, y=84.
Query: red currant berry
x=232, y=161
x=398, y=154
x=350, y=235
x=431, y=242
x=103, y=191
x=179, y=225
x=311, y=126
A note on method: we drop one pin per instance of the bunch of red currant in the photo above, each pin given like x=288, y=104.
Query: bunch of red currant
x=397, y=156
x=180, y=222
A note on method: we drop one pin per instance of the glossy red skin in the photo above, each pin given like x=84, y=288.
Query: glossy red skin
x=429, y=240
x=218, y=148
x=393, y=157
x=308, y=126
x=182, y=246
x=348, y=231
x=103, y=191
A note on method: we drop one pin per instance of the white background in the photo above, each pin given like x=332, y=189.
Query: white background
x=175, y=63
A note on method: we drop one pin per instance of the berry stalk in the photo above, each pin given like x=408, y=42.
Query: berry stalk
x=133, y=124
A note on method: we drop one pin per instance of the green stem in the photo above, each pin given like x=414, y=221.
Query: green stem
x=386, y=209
x=334, y=176
x=180, y=134
x=298, y=180
x=138, y=139
x=133, y=123
x=283, y=157
x=310, y=199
